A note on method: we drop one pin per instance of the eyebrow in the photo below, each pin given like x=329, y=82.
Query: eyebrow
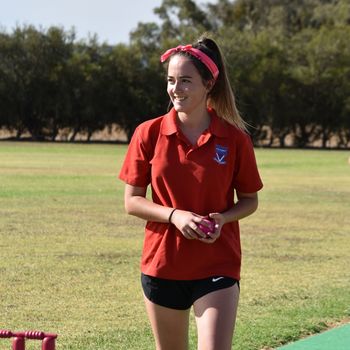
x=182, y=76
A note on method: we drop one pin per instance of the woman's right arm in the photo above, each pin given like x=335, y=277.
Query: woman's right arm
x=138, y=205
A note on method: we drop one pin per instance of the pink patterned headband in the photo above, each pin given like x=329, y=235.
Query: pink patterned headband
x=200, y=55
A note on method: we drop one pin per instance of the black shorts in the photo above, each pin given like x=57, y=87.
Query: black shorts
x=181, y=295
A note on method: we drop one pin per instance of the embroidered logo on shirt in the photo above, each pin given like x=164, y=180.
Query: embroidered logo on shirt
x=220, y=154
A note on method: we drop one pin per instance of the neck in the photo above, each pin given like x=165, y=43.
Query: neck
x=197, y=120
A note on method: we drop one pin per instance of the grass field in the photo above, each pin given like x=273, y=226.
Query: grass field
x=69, y=256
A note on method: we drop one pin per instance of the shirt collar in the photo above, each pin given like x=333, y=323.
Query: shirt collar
x=217, y=125
x=169, y=125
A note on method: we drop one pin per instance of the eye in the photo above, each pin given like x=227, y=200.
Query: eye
x=170, y=80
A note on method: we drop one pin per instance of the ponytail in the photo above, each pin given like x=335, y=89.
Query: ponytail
x=221, y=97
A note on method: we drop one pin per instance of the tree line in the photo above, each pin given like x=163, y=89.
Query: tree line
x=289, y=64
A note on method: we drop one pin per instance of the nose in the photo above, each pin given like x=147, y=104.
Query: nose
x=177, y=86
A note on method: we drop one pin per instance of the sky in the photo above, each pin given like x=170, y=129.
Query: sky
x=111, y=20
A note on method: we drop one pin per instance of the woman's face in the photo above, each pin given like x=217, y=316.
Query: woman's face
x=185, y=86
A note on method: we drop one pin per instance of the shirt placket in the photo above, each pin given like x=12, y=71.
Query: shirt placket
x=189, y=147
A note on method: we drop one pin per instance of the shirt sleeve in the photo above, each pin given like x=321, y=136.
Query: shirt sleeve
x=136, y=169
x=246, y=176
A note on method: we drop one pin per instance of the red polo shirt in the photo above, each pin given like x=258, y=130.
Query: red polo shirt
x=199, y=178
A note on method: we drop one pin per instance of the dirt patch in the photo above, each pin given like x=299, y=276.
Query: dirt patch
x=338, y=323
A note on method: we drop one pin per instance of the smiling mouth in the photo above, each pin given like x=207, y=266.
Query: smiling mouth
x=179, y=99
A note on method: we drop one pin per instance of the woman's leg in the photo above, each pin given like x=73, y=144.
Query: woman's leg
x=169, y=326
x=215, y=317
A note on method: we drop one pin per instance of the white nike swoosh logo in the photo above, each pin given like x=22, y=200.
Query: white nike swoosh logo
x=217, y=279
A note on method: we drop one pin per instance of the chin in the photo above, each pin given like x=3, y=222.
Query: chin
x=179, y=108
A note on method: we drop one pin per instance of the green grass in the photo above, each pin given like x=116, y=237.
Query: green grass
x=69, y=256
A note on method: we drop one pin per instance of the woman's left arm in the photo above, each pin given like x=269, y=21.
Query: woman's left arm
x=246, y=205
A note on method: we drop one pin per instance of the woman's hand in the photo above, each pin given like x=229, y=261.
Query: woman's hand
x=187, y=223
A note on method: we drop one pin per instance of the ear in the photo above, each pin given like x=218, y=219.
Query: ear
x=210, y=84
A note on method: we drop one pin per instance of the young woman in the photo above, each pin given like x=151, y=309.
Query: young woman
x=200, y=163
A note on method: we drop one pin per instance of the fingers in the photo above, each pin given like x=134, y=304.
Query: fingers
x=208, y=240
x=211, y=237
x=191, y=231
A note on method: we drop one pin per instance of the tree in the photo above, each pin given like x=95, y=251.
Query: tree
x=323, y=69
x=7, y=107
x=86, y=88
x=31, y=64
x=137, y=86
